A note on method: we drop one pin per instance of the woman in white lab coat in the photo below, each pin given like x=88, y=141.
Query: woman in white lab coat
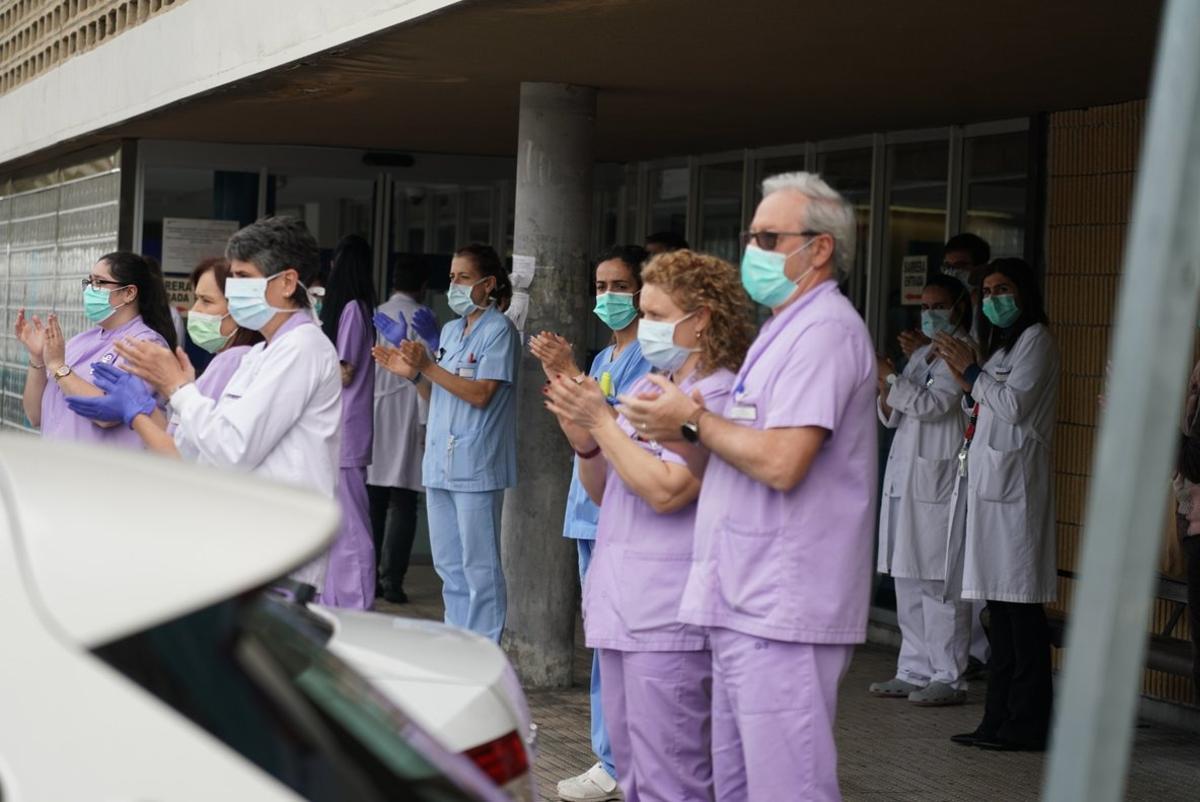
x=279, y=416
x=1002, y=541
x=923, y=405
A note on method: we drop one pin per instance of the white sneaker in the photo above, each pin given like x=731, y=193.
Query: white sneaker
x=594, y=785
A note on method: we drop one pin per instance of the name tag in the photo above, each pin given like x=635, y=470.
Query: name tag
x=747, y=413
x=466, y=372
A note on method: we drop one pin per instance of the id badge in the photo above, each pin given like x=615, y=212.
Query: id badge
x=466, y=371
x=744, y=413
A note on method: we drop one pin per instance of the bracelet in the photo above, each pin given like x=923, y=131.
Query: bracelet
x=36, y=366
x=595, y=452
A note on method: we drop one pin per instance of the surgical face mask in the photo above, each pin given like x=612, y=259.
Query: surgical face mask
x=935, y=320
x=764, y=278
x=459, y=298
x=962, y=275
x=96, y=305
x=658, y=344
x=248, y=302
x=205, y=331
x=616, y=309
x=318, y=305
x=1001, y=310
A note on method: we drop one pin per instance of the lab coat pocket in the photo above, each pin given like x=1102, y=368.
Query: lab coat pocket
x=932, y=480
x=464, y=463
x=749, y=567
x=999, y=475
x=651, y=587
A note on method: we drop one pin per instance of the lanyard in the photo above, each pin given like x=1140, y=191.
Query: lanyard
x=777, y=325
x=968, y=436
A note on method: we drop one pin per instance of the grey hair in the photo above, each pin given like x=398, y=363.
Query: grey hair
x=275, y=244
x=827, y=212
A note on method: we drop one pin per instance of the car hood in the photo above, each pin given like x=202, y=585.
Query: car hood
x=116, y=541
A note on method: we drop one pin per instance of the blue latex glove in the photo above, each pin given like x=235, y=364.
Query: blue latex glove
x=426, y=327
x=126, y=397
x=394, y=331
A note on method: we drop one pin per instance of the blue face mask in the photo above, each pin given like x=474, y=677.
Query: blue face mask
x=935, y=320
x=248, y=302
x=658, y=344
x=764, y=278
x=616, y=309
x=459, y=298
x=96, y=305
x=1001, y=310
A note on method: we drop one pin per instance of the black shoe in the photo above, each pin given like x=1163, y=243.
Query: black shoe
x=976, y=670
x=971, y=738
x=395, y=596
x=998, y=745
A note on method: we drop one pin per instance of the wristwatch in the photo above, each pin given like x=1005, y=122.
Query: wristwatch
x=62, y=372
x=690, y=430
x=891, y=380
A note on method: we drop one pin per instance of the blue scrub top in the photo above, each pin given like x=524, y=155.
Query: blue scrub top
x=582, y=515
x=469, y=449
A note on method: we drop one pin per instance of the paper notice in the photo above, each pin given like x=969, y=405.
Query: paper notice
x=913, y=270
x=523, y=270
x=518, y=309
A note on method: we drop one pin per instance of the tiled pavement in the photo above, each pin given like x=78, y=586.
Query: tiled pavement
x=889, y=750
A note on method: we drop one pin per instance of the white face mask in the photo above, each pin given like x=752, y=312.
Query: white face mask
x=460, y=300
x=657, y=339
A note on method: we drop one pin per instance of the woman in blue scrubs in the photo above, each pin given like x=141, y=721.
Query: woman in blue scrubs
x=471, y=436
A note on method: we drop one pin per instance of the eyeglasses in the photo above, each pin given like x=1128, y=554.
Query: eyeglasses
x=99, y=283
x=767, y=240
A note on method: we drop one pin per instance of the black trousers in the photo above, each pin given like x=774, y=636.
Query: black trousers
x=1191, y=556
x=393, y=528
x=1020, y=692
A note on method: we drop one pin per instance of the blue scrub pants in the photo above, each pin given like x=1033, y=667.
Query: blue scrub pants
x=600, y=742
x=464, y=534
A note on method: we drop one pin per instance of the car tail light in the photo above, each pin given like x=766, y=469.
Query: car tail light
x=503, y=759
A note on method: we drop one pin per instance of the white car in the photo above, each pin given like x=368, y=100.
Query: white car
x=143, y=661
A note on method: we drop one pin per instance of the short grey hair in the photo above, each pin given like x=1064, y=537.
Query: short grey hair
x=827, y=212
x=275, y=244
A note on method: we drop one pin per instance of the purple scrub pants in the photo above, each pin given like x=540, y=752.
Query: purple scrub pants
x=658, y=709
x=350, y=575
x=774, y=704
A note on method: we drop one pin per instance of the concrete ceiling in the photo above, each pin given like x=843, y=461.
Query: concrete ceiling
x=687, y=76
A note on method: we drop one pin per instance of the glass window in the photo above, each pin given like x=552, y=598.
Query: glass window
x=446, y=222
x=178, y=192
x=721, y=209
x=479, y=216
x=331, y=207
x=774, y=166
x=668, y=190
x=996, y=185
x=410, y=204
x=849, y=172
x=916, y=230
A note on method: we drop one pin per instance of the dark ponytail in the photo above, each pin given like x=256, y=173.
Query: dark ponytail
x=488, y=263
x=145, y=274
x=351, y=281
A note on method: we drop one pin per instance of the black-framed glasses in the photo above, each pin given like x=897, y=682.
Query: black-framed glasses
x=99, y=283
x=767, y=240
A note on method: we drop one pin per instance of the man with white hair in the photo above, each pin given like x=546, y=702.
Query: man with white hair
x=781, y=565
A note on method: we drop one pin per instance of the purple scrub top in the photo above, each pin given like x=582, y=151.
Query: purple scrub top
x=220, y=370
x=93, y=345
x=641, y=558
x=796, y=565
x=354, y=340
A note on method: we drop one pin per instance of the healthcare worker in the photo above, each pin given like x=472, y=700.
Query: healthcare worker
x=785, y=528
x=657, y=671
x=471, y=438
x=279, y=416
x=123, y=297
x=615, y=369
x=349, y=303
x=1002, y=539
x=211, y=328
x=394, y=476
x=923, y=405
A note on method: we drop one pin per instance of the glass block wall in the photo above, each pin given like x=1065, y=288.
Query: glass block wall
x=53, y=227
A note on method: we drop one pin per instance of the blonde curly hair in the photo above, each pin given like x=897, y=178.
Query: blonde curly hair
x=700, y=280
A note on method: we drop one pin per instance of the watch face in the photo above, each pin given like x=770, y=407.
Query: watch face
x=690, y=432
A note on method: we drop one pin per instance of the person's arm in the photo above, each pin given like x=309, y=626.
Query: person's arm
x=476, y=392
x=1034, y=368
x=493, y=367
x=354, y=341
x=155, y=437
x=779, y=458
x=71, y=384
x=35, y=388
x=925, y=402
x=665, y=486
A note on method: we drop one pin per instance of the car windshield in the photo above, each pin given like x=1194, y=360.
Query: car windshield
x=255, y=674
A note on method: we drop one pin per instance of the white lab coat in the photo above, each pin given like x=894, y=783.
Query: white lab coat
x=918, y=480
x=279, y=417
x=400, y=415
x=1002, y=543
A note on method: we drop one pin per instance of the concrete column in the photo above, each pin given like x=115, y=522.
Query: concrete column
x=553, y=218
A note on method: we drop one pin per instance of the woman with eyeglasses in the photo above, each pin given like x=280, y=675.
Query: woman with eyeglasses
x=1003, y=545
x=471, y=436
x=922, y=405
x=124, y=298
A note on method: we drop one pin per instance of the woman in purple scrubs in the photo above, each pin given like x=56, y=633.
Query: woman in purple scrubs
x=123, y=297
x=656, y=694
x=346, y=319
